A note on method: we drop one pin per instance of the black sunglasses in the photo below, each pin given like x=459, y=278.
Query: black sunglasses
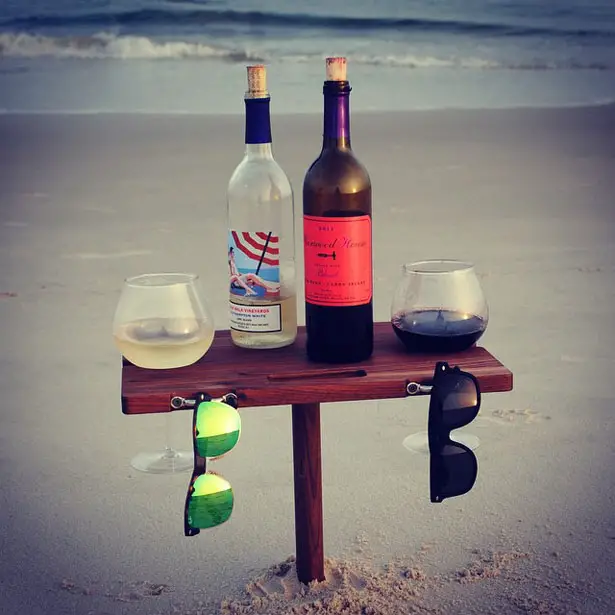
x=216, y=428
x=454, y=402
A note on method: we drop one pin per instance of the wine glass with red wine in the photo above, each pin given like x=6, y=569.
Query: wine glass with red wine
x=439, y=308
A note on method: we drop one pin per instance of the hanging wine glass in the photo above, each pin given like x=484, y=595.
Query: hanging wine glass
x=162, y=322
x=439, y=308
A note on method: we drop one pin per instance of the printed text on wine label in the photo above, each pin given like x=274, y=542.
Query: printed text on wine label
x=256, y=318
x=338, y=260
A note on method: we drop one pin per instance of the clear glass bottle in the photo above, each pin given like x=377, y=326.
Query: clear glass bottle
x=261, y=237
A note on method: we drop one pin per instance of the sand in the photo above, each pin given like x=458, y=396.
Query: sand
x=528, y=195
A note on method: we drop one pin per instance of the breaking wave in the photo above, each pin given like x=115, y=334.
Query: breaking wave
x=106, y=45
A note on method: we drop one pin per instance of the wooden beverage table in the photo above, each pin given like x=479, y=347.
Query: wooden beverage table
x=285, y=376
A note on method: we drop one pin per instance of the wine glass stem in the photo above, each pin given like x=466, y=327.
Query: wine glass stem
x=169, y=451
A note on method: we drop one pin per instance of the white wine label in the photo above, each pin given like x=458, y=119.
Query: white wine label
x=256, y=318
x=254, y=264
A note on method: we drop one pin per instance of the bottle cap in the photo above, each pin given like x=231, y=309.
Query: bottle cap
x=336, y=69
x=257, y=81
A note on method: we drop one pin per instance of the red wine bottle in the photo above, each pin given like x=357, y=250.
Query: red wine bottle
x=337, y=229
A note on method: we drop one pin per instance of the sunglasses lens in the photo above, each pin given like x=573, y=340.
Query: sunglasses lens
x=218, y=427
x=453, y=471
x=211, y=502
x=460, y=401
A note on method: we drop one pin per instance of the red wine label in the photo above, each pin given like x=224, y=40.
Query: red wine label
x=338, y=260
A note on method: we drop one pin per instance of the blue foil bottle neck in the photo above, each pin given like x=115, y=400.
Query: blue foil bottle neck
x=336, y=129
x=258, y=121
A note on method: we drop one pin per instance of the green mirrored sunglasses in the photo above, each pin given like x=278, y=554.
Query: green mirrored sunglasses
x=216, y=429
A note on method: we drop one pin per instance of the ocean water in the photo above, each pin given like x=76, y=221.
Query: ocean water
x=174, y=56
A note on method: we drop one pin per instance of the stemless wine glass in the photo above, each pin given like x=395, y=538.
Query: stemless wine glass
x=162, y=322
x=439, y=308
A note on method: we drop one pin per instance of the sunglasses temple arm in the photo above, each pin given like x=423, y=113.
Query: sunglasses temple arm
x=188, y=529
x=200, y=467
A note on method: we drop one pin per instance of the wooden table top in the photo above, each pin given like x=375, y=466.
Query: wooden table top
x=286, y=376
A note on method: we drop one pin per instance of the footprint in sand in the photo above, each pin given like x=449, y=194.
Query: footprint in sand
x=281, y=581
x=98, y=210
x=69, y=586
x=110, y=255
x=139, y=590
x=338, y=577
x=262, y=589
x=514, y=415
x=124, y=592
x=589, y=269
x=34, y=195
x=566, y=358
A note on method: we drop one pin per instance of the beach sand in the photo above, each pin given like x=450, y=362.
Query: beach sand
x=528, y=195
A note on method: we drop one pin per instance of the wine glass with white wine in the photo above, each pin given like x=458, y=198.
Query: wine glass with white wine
x=162, y=322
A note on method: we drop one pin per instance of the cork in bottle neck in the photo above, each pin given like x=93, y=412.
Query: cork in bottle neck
x=257, y=82
x=336, y=69
x=336, y=90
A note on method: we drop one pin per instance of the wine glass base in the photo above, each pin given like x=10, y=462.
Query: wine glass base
x=163, y=462
x=419, y=442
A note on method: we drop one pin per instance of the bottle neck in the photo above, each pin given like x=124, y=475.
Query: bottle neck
x=258, y=127
x=336, y=129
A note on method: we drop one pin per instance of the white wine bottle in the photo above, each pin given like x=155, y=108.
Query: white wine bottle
x=261, y=239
